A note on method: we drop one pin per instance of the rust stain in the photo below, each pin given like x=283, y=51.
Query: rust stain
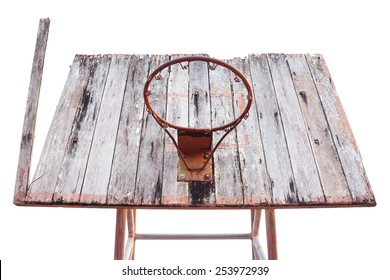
x=258, y=200
x=361, y=170
x=342, y=199
x=346, y=125
x=174, y=200
x=221, y=94
x=66, y=198
x=39, y=197
x=21, y=178
x=229, y=200
x=241, y=101
x=93, y=199
x=19, y=197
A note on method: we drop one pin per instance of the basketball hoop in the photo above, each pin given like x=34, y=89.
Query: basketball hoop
x=194, y=145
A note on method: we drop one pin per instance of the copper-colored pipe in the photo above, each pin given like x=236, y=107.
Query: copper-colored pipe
x=193, y=236
x=120, y=234
x=271, y=234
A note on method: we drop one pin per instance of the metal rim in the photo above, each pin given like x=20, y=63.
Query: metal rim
x=163, y=123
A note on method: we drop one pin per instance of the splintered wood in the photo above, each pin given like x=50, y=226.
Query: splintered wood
x=104, y=149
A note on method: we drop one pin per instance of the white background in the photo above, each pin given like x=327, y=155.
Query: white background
x=56, y=243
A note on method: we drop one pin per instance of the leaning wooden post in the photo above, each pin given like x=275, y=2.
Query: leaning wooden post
x=26, y=145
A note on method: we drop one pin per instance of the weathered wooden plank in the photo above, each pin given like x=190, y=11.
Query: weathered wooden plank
x=97, y=174
x=301, y=156
x=173, y=192
x=42, y=187
x=227, y=176
x=329, y=167
x=277, y=159
x=150, y=170
x=341, y=132
x=200, y=117
x=26, y=145
x=256, y=182
x=124, y=164
x=71, y=176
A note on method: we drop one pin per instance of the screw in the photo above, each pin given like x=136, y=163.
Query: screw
x=182, y=176
x=206, y=176
x=158, y=77
x=206, y=155
x=317, y=141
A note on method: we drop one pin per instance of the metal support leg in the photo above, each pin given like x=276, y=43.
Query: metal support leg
x=130, y=245
x=120, y=234
x=271, y=234
x=257, y=250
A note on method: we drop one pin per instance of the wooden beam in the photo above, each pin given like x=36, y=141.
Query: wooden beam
x=120, y=234
x=26, y=145
x=271, y=234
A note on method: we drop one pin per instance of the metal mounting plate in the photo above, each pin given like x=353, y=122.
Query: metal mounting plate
x=196, y=148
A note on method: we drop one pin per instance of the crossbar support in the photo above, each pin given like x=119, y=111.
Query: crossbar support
x=126, y=251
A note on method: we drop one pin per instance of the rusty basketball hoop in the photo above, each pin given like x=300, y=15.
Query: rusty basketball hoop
x=194, y=145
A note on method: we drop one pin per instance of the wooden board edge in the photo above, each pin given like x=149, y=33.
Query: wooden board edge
x=27, y=141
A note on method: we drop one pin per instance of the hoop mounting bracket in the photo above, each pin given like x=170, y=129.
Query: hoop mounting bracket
x=194, y=145
x=195, y=162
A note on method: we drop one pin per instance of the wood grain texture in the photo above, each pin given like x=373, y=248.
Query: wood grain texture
x=28, y=132
x=255, y=179
x=304, y=168
x=295, y=149
x=277, y=158
x=71, y=177
x=42, y=188
x=200, y=193
x=341, y=132
x=175, y=193
x=97, y=174
x=227, y=175
x=329, y=167
x=123, y=174
x=150, y=170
